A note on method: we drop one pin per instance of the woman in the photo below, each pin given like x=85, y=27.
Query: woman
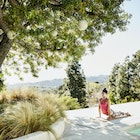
x=104, y=107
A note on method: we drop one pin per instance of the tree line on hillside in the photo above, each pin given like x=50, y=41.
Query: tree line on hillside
x=124, y=80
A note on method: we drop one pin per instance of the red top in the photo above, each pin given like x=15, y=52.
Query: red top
x=104, y=105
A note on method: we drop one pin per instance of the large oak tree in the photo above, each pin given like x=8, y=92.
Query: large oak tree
x=36, y=33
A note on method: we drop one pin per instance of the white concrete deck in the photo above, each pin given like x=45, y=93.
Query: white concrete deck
x=83, y=124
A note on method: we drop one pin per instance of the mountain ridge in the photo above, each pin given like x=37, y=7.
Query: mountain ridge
x=56, y=82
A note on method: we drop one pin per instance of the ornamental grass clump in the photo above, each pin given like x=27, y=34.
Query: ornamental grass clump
x=3, y=102
x=50, y=107
x=27, y=94
x=14, y=96
x=18, y=120
x=24, y=117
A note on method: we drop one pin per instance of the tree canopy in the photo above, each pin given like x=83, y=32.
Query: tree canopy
x=36, y=33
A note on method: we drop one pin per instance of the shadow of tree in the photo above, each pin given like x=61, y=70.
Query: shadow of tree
x=81, y=128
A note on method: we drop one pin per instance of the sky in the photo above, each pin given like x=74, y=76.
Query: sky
x=114, y=49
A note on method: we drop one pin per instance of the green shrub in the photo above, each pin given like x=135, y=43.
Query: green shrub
x=70, y=102
x=127, y=99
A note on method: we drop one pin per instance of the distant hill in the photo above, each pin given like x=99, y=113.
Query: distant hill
x=44, y=85
x=100, y=78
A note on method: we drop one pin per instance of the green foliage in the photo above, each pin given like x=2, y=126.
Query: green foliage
x=94, y=92
x=2, y=86
x=71, y=103
x=112, y=84
x=124, y=81
x=135, y=76
x=63, y=89
x=46, y=32
x=127, y=99
x=93, y=87
x=25, y=116
x=112, y=98
x=77, y=83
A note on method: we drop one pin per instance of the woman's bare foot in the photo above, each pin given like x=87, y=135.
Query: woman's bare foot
x=128, y=114
x=110, y=118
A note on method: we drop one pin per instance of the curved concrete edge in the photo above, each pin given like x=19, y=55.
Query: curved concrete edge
x=37, y=135
x=58, y=127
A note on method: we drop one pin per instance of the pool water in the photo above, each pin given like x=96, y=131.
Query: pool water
x=134, y=131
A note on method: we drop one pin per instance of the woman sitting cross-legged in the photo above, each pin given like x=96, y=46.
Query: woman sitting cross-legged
x=104, y=107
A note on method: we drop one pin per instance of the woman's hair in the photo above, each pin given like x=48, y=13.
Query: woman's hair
x=104, y=90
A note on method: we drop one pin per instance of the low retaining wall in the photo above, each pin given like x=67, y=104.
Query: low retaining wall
x=58, y=127
x=40, y=135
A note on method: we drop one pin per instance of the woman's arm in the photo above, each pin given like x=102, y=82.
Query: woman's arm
x=109, y=111
x=99, y=110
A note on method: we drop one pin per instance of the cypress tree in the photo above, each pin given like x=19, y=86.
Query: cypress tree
x=77, y=83
x=112, y=84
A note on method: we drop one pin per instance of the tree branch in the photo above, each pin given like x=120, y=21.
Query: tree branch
x=3, y=25
x=55, y=2
x=14, y=3
x=3, y=7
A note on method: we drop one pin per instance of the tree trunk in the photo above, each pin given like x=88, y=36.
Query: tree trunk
x=5, y=46
x=5, y=42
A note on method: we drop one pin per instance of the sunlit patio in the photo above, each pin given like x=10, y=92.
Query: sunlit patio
x=83, y=124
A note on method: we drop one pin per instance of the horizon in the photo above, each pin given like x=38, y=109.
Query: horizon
x=114, y=49
x=34, y=82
